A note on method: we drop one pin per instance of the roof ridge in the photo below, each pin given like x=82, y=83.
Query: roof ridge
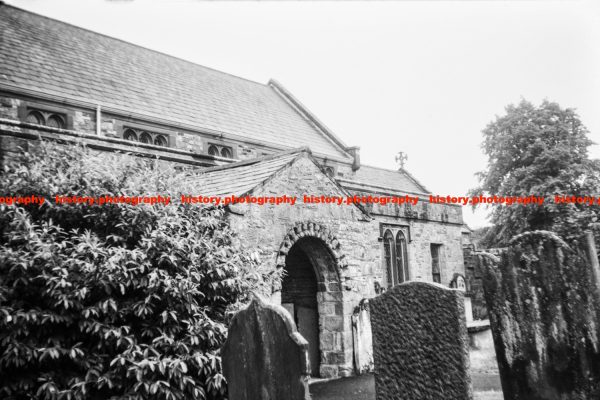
x=402, y=171
x=257, y=160
x=376, y=186
x=307, y=114
x=381, y=168
x=3, y=3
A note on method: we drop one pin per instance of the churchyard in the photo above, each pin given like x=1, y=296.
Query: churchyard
x=543, y=297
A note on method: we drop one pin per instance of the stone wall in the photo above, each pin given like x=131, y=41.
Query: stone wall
x=420, y=344
x=422, y=234
x=264, y=229
x=349, y=235
x=544, y=304
x=423, y=210
x=83, y=120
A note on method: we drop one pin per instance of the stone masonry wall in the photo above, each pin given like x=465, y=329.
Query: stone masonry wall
x=264, y=228
x=84, y=121
x=422, y=235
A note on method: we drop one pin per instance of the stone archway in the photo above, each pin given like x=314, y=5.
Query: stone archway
x=312, y=291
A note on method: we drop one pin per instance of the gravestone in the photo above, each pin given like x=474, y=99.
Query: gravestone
x=264, y=357
x=420, y=343
x=362, y=338
x=542, y=297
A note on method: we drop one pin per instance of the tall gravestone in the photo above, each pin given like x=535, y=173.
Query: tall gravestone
x=420, y=343
x=363, y=338
x=264, y=357
x=542, y=297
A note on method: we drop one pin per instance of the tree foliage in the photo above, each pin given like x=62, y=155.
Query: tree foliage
x=113, y=301
x=541, y=151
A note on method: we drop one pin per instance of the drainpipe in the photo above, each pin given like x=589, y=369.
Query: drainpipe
x=98, y=120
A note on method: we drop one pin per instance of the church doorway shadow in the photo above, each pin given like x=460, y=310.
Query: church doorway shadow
x=311, y=292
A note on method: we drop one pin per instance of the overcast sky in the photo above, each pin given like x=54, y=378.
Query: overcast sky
x=419, y=77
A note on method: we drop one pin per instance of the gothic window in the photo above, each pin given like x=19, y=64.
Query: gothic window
x=395, y=256
x=55, y=121
x=388, y=245
x=145, y=138
x=220, y=150
x=160, y=140
x=401, y=258
x=226, y=152
x=47, y=118
x=435, y=263
x=34, y=117
x=130, y=135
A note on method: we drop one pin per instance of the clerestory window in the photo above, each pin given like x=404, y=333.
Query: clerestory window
x=220, y=150
x=47, y=118
x=143, y=136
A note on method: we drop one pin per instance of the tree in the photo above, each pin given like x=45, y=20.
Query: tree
x=540, y=151
x=113, y=301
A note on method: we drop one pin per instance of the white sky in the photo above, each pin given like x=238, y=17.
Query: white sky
x=420, y=77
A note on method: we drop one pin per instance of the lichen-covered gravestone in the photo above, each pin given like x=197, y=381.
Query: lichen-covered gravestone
x=542, y=297
x=264, y=357
x=420, y=343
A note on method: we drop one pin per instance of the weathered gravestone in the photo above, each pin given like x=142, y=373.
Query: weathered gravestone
x=543, y=305
x=362, y=337
x=420, y=343
x=264, y=357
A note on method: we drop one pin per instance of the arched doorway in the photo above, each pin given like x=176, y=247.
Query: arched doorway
x=299, y=296
x=311, y=291
x=306, y=266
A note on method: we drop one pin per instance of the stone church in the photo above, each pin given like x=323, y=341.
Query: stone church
x=62, y=82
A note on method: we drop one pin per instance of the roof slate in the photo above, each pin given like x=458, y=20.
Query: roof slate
x=41, y=54
x=240, y=178
x=371, y=177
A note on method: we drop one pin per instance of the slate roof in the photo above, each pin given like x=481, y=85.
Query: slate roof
x=374, y=178
x=240, y=178
x=48, y=56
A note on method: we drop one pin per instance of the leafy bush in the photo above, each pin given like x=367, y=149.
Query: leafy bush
x=113, y=301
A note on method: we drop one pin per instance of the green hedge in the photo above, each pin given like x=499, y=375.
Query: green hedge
x=113, y=301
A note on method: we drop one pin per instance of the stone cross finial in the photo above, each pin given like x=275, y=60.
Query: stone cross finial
x=401, y=158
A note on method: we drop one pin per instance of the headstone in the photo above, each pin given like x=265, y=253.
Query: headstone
x=542, y=297
x=264, y=357
x=420, y=343
x=362, y=337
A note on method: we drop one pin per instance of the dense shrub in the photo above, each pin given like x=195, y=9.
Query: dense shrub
x=113, y=301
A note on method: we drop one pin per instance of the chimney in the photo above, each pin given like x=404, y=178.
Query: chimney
x=355, y=153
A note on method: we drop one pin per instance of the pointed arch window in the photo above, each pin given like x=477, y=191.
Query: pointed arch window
x=388, y=246
x=395, y=257
x=436, y=271
x=140, y=135
x=48, y=118
x=401, y=258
